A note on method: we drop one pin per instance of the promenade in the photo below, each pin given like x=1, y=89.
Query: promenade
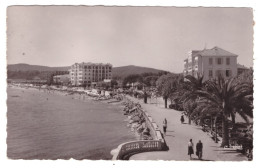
x=178, y=135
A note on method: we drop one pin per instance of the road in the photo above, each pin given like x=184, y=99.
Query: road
x=178, y=136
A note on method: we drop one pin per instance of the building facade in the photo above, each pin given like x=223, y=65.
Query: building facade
x=211, y=63
x=241, y=69
x=88, y=73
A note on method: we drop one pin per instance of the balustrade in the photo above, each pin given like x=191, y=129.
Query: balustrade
x=127, y=149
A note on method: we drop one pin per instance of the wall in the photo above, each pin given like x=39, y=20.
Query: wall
x=206, y=67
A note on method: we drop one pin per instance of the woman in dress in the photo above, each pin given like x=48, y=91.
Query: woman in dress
x=164, y=126
x=182, y=118
x=190, y=148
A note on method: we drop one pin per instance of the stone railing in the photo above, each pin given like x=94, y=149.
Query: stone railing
x=125, y=150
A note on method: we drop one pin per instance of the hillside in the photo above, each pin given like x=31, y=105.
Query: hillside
x=131, y=69
x=119, y=72
x=27, y=67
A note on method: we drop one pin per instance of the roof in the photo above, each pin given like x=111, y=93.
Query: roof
x=216, y=51
x=90, y=63
x=65, y=75
x=241, y=66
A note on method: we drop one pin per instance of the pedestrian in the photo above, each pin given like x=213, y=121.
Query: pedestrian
x=164, y=126
x=199, y=148
x=182, y=118
x=145, y=97
x=190, y=148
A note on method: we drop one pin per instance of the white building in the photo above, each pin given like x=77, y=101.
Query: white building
x=211, y=63
x=87, y=73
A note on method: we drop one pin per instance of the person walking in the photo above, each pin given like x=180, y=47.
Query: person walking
x=164, y=126
x=190, y=148
x=145, y=97
x=182, y=118
x=199, y=147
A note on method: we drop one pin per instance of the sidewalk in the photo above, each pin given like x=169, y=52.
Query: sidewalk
x=178, y=135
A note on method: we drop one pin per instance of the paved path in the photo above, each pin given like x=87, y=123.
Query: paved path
x=178, y=135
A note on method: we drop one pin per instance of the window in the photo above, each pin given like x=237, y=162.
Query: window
x=228, y=73
x=210, y=73
x=210, y=61
x=228, y=61
x=219, y=61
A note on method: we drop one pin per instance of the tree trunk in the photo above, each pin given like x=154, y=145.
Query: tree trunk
x=225, y=133
x=189, y=118
x=216, y=130
x=165, y=102
x=211, y=123
x=233, y=118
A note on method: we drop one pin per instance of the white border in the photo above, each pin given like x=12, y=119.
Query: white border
x=4, y=162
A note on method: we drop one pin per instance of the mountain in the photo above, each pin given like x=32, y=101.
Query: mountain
x=27, y=67
x=124, y=71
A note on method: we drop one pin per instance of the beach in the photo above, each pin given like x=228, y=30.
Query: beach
x=42, y=125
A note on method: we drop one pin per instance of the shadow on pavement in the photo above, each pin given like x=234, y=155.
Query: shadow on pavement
x=196, y=159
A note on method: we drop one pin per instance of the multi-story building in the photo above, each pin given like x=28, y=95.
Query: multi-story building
x=87, y=73
x=211, y=63
x=241, y=69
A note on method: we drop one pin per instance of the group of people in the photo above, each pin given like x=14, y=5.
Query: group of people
x=199, y=145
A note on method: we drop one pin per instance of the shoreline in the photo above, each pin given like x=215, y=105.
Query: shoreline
x=78, y=96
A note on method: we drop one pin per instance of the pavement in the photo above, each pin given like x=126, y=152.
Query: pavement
x=178, y=136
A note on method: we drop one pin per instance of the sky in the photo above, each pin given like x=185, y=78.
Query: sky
x=155, y=37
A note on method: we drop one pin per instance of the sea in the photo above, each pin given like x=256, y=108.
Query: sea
x=42, y=125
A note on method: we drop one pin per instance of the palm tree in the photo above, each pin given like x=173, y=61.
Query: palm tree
x=206, y=110
x=227, y=96
x=189, y=98
x=196, y=83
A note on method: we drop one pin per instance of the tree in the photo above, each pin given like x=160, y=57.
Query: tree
x=205, y=110
x=50, y=79
x=227, y=96
x=167, y=85
x=150, y=80
x=189, y=106
x=189, y=97
x=195, y=83
x=113, y=83
x=132, y=79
